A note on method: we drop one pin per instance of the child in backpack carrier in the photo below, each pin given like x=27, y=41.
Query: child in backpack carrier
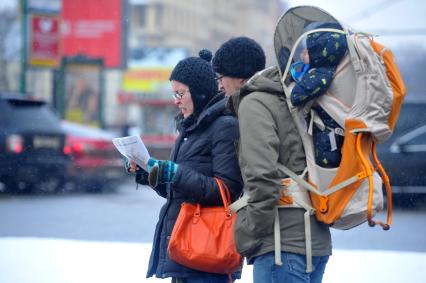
x=323, y=52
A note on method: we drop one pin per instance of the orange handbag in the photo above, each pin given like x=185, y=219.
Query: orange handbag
x=203, y=237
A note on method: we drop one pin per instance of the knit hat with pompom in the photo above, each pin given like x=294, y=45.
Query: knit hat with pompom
x=197, y=73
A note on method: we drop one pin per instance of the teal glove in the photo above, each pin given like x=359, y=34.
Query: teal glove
x=161, y=171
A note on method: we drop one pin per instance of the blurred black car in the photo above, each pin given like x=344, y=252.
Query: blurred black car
x=32, y=156
x=404, y=155
x=96, y=164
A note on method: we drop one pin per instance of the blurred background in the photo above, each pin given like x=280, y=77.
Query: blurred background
x=102, y=67
x=99, y=69
x=105, y=63
x=76, y=73
x=118, y=52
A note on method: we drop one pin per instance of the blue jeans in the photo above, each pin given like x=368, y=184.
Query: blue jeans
x=205, y=279
x=293, y=269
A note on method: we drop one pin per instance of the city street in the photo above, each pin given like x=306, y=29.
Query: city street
x=85, y=238
x=323, y=83
x=129, y=215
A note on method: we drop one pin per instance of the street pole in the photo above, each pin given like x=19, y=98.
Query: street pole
x=24, y=38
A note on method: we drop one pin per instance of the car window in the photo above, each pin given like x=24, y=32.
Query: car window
x=420, y=139
x=83, y=131
x=29, y=115
x=412, y=142
x=408, y=111
x=406, y=124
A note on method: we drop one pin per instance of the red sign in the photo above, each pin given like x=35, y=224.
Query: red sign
x=93, y=28
x=44, y=44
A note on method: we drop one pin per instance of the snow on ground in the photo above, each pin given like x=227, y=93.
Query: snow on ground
x=39, y=260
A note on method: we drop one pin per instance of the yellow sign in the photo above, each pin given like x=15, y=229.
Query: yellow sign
x=148, y=80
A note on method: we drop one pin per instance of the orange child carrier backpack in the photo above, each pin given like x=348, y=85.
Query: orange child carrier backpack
x=364, y=98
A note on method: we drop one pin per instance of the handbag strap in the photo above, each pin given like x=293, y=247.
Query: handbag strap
x=224, y=193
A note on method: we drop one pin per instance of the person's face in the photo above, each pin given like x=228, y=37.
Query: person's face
x=305, y=56
x=229, y=85
x=182, y=98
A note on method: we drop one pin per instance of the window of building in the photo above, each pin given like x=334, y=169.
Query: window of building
x=158, y=14
x=159, y=120
x=142, y=15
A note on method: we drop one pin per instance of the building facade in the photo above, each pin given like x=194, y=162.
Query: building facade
x=189, y=25
x=196, y=24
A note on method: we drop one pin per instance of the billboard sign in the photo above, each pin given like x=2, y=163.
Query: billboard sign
x=148, y=80
x=93, y=29
x=148, y=76
x=45, y=6
x=83, y=93
x=44, y=41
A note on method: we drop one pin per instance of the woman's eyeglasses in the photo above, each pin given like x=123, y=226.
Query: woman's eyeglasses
x=179, y=95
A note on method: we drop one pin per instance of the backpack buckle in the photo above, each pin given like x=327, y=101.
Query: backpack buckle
x=323, y=207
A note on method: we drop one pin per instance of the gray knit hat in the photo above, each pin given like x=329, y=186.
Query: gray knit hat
x=197, y=73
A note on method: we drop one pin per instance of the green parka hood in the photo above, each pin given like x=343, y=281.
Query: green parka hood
x=267, y=80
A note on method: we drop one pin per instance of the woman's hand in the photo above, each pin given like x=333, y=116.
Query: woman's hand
x=131, y=166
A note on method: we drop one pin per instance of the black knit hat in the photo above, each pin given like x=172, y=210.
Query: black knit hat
x=197, y=73
x=239, y=57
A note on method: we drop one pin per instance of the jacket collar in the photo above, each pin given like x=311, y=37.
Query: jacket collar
x=267, y=80
x=216, y=107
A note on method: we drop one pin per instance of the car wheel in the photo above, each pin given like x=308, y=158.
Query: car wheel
x=12, y=186
x=6, y=186
x=94, y=187
x=48, y=186
x=412, y=201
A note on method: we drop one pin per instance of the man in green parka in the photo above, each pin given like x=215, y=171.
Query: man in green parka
x=269, y=140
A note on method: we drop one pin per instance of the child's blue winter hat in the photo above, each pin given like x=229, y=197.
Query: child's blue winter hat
x=326, y=49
